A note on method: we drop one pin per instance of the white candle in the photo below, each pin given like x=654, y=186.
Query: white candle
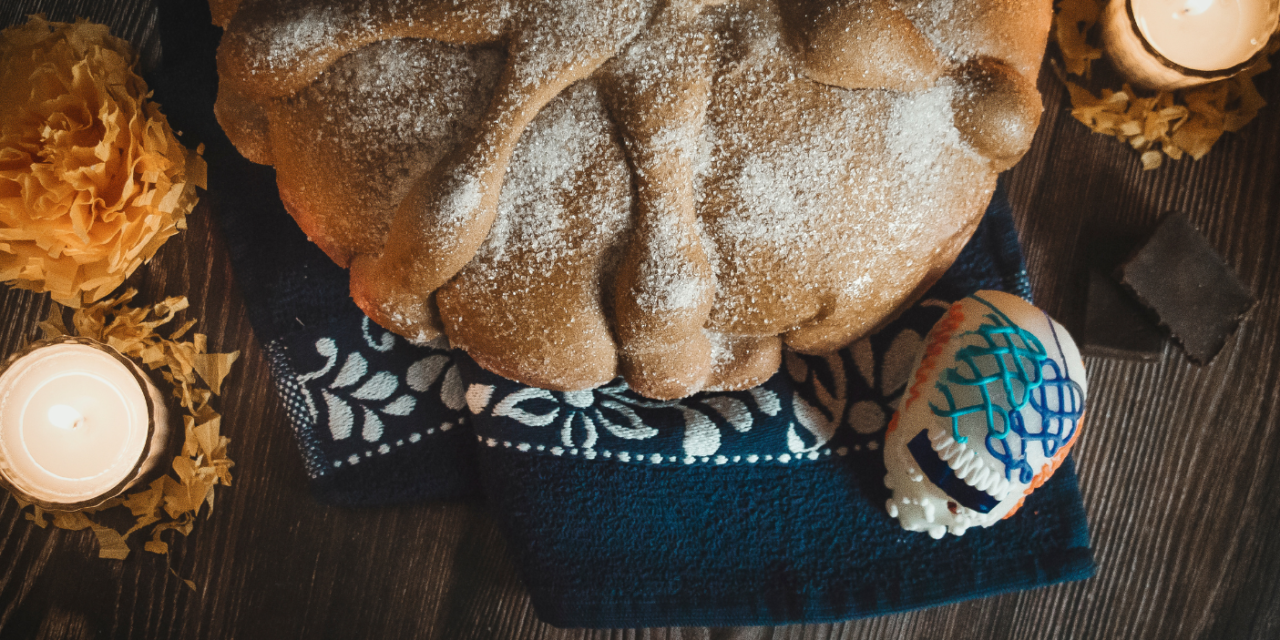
x=1171, y=44
x=79, y=424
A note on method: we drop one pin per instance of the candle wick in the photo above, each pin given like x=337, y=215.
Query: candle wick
x=1196, y=7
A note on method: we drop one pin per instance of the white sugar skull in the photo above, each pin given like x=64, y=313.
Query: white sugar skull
x=995, y=403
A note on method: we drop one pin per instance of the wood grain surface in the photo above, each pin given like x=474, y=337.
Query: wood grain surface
x=1177, y=462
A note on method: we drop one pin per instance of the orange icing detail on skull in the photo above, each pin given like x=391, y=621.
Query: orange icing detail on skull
x=938, y=338
x=1048, y=469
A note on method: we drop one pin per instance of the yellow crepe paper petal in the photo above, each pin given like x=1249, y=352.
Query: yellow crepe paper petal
x=214, y=367
x=72, y=521
x=111, y=544
x=53, y=326
x=37, y=516
x=1074, y=19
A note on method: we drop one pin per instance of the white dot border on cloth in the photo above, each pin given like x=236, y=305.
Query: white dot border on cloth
x=385, y=448
x=659, y=459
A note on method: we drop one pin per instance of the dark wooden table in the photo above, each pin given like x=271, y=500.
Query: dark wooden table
x=1177, y=463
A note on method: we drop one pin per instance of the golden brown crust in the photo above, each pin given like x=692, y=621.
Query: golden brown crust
x=864, y=44
x=273, y=48
x=664, y=289
x=1013, y=31
x=246, y=124
x=742, y=362
x=222, y=10
x=668, y=192
x=997, y=110
x=550, y=45
x=531, y=304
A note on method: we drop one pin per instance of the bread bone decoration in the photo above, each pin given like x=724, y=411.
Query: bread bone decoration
x=994, y=406
x=573, y=190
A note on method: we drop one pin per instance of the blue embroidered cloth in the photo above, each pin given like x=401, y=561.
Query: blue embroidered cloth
x=755, y=507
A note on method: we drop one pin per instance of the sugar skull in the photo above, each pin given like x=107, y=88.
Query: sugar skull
x=995, y=403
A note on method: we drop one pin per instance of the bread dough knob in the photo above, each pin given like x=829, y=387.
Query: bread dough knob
x=997, y=110
x=864, y=44
x=246, y=124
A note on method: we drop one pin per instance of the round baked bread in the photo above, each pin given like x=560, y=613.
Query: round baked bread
x=669, y=191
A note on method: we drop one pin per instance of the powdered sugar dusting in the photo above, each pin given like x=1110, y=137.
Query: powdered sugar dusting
x=461, y=201
x=287, y=42
x=669, y=281
x=817, y=198
x=373, y=123
x=934, y=18
x=921, y=127
x=553, y=36
x=721, y=348
x=537, y=208
x=564, y=211
x=292, y=33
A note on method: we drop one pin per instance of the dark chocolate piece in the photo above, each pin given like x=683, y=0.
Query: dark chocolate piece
x=1180, y=276
x=1116, y=326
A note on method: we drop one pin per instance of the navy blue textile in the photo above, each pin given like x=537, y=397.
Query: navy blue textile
x=754, y=507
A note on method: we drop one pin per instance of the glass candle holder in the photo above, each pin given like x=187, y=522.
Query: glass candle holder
x=1174, y=44
x=79, y=424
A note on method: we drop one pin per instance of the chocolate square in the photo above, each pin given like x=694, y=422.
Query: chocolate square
x=1180, y=276
x=1116, y=326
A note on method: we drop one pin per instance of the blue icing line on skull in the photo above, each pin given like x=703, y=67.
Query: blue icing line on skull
x=1018, y=362
x=1002, y=348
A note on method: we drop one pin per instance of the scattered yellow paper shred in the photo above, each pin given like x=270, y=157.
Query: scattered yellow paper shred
x=110, y=543
x=53, y=326
x=1072, y=21
x=1172, y=124
x=213, y=368
x=171, y=501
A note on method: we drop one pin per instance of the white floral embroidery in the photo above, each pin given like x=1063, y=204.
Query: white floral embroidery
x=864, y=360
x=899, y=361
x=478, y=396
x=509, y=408
x=329, y=349
x=701, y=436
x=582, y=417
x=382, y=344
x=356, y=396
x=734, y=411
x=820, y=422
x=866, y=417
x=425, y=372
x=342, y=401
x=767, y=401
x=854, y=388
x=580, y=408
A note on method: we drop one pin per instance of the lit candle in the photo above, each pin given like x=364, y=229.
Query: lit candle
x=1171, y=44
x=79, y=424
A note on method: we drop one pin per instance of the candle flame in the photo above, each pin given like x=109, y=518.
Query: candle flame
x=63, y=416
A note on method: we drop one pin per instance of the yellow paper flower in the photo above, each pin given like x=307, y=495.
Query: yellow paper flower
x=92, y=179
